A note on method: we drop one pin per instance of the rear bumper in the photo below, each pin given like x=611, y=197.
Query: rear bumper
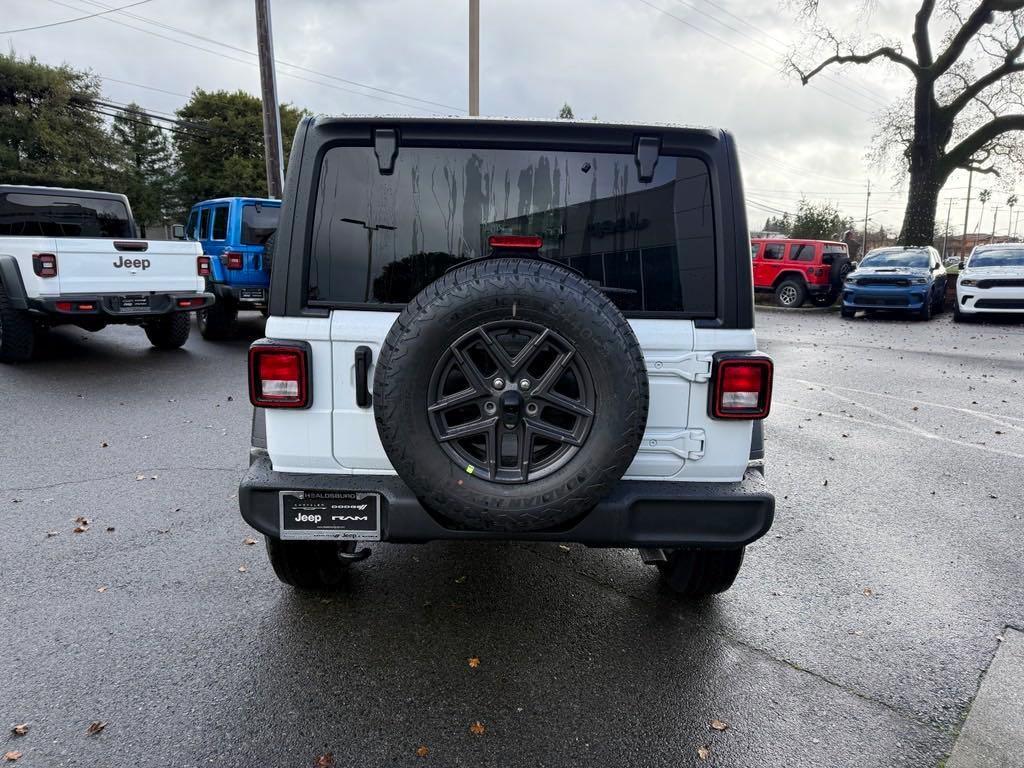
x=109, y=306
x=634, y=514
x=241, y=294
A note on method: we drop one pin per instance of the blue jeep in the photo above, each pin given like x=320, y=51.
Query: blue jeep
x=906, y=279
x=233, y=232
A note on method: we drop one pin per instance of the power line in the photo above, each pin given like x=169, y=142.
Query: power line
x=140, y=85
x=222, y=44
x=69, y=21
x=855, y=91
x=747, y=53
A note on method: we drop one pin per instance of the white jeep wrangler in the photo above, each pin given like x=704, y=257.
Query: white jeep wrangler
x=73, y=257
x=490, y=329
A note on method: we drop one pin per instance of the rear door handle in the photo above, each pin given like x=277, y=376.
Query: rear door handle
x=364, y=356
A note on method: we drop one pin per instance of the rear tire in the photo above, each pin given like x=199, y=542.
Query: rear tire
x=790, y=294
x=169, y=331
x=925, y=312
x=312, y=565
x=847, y=314
x=17, y=332
x=960, y=317
x=823, y=299
x=701, y=572
x=217, y=322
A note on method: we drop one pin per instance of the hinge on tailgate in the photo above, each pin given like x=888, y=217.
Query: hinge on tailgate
x=693, y=366
x=687, y=444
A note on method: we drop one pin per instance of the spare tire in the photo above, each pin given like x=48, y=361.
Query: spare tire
x=510, y=395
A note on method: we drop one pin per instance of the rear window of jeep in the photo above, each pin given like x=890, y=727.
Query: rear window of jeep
x=37, y=214
x=380, y=239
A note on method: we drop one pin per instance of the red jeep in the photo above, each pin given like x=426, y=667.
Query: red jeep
x=797, y=269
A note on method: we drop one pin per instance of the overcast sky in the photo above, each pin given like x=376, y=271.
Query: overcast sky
x=705, y=62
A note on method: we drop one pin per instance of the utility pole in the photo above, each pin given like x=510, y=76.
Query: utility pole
x=967, y=210
x=273, y=148
x=994, y=215
x=945, y=233
x=474, y=57
x=864, y=248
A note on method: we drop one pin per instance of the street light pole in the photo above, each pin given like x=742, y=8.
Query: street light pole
x=945, y=233
x=273, y=147
x=474, y=57
x=864, y=248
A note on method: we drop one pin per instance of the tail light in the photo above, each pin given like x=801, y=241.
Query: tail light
x=44, y=264
x=525, y=242
x=203, y=266
x=741, y=387
x=76, y=306
x=233, y=260
x=195, y=302
x=279, y=374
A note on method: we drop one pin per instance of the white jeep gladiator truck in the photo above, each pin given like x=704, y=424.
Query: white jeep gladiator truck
x=493, y=329
x=70, y=256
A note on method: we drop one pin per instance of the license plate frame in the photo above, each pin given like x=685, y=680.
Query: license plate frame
x=340, y=515
x=252, y=294
x=134, y=301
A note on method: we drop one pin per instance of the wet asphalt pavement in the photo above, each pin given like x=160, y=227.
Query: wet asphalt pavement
x=856, y=635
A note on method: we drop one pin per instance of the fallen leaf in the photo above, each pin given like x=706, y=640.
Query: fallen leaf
x=95, y=727
x=82, y=520
x=719, y=725
x=140, y=477
x=474, y=662
x=422, y=751
x=20, y=730
x=460, y=580
x=868, y=592
x=104, y=445
x=110, y=529
x=242, y=569
x=230, y=398
x=101, y=589
x=51, y=533
x=564, y=547
x=825, y=483
x=703, y=752
x=477, y=728
x=12, y=755
x=79, y=529
x=163, y=530
x=249, y=541
x=325, y=760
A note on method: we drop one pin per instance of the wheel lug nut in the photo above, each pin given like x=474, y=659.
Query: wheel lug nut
x=490, y=407
x=524, y=384
x=531, y=408
x=498, y=383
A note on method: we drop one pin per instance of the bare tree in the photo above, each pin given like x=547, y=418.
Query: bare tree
x=967, y=106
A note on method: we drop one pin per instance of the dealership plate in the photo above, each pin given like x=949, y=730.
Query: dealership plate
x=252, y=294
x=343, y=515
x=135, y=302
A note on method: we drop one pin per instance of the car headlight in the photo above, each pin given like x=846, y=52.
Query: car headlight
x=968, y=282
x=919, y=281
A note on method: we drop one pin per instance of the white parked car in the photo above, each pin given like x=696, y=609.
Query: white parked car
x=991, y=281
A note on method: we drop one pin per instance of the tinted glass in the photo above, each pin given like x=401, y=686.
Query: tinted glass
x=191, y=232
x=773, y=251
x=897, y=257
x=998, y=257
x=204, y=233
x=220, y=222
x=31, y=214
x=258, y=223
x=754, y=248
x=801, y=252
x=381, y=239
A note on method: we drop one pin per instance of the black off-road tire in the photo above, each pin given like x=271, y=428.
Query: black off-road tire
x=824, y=299
x=847, y=314
x=961, y=317
x=925, y=312
x=790, y=294
x=217, y=322
x=168, y=331
x=701, y=572
x=17, y=332
x=505, y=290
x=312, y=565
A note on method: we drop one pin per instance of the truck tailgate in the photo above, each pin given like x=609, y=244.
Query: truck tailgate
x=127, y=266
